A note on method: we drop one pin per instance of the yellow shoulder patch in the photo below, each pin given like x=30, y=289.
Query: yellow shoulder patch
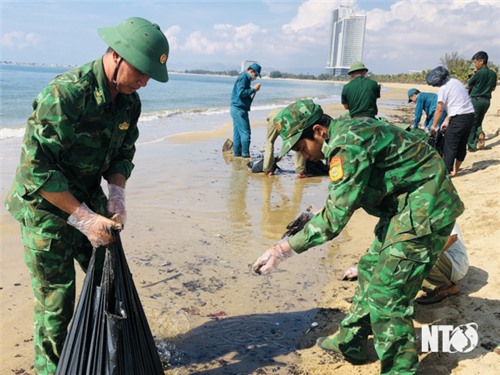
x=336, y=169
x=123, y=126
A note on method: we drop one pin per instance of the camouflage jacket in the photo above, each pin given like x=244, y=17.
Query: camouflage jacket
x=74, y=137
x=386, y=171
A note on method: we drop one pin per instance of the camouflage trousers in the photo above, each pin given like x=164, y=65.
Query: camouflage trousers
x=383, y=302
x=52, y=270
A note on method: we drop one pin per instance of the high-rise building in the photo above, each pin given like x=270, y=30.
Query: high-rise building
x=346, y=40
x=246, y=63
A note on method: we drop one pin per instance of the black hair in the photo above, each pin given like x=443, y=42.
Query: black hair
x=481, y=55
x=308, y=132
x=417, y=91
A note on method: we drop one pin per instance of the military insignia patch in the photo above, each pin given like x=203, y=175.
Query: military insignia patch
x=123, y=126
x=163, y=58
x=98, y=95
x=336, y=169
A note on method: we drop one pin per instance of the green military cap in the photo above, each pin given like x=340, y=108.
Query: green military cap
x=357, y=65
x=291, y=122
x=142, y=44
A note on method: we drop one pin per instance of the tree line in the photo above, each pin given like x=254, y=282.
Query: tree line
x=457, y=65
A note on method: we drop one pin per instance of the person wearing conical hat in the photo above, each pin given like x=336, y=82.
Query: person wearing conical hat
x=360, y=95
x=82, y=130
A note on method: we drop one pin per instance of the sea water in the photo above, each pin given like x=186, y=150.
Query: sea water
x=187, y=103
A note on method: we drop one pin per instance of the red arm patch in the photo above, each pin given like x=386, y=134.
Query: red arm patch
x=336, y=169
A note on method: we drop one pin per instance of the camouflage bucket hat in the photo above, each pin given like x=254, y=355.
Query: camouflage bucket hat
x=291, y=122
x=142, y=44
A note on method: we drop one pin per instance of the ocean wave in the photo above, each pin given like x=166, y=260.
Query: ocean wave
x=162, y=114
x=186, y=112
x=151, y=118
x=6, y=133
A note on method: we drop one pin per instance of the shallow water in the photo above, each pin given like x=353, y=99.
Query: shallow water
x=193, y=231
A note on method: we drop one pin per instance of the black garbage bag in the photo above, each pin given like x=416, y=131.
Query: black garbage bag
x=257, y=165
x=316, y=168
x=109, y=334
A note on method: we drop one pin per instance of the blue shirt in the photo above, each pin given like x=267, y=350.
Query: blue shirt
x=427, y=102
x=242, y=94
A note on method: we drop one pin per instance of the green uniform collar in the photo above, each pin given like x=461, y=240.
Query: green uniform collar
x=102, y=94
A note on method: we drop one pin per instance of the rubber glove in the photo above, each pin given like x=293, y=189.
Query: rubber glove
x=95, y=227
x=350, y=274
x=268, y=262
x=116, y=203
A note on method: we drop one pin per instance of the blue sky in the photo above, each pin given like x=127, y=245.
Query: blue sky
x=290, y=36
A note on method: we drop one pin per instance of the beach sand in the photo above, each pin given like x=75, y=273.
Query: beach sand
x=195, y=223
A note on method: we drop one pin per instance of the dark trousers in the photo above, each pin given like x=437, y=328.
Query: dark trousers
x=455, y=139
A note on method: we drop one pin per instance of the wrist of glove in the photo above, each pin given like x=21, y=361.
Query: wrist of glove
x=299, y=223
x=268, y=262
x=116, y=203
x=95, y=227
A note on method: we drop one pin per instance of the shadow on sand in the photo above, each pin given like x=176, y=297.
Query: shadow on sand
x=458, y=310
x=249, y=343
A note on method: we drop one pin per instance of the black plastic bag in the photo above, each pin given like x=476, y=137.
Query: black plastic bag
x=316, y=168
x=257, y=165
x=109, y=334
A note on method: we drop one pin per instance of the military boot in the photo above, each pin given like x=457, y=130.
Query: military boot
x=355, y=354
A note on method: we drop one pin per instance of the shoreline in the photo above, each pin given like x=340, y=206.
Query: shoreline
x=194, y=215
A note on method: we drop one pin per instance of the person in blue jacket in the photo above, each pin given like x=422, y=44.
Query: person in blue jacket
x=241, y=100
x=427, y=102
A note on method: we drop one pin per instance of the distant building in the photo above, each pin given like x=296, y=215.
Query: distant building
x=246, y=63
x=346, y=40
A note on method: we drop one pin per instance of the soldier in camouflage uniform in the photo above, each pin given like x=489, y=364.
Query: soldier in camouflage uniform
x=83, y=128
x=395, y=177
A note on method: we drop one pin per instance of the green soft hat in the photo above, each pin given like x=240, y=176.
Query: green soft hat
x=142, y=44
x=291, y=122
x=357, y=65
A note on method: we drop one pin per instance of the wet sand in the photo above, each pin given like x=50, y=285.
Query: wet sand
x=196, y=222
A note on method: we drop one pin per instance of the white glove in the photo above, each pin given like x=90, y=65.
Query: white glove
x=116, y=203
x=268, y=262
x=350, y=274
x=97, y=228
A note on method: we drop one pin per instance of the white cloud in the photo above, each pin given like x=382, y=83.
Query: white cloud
x=411, y=34
x=20, y=39
x=225, y=38
x=172, y=33
x=313, y=15
x=416, y=34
